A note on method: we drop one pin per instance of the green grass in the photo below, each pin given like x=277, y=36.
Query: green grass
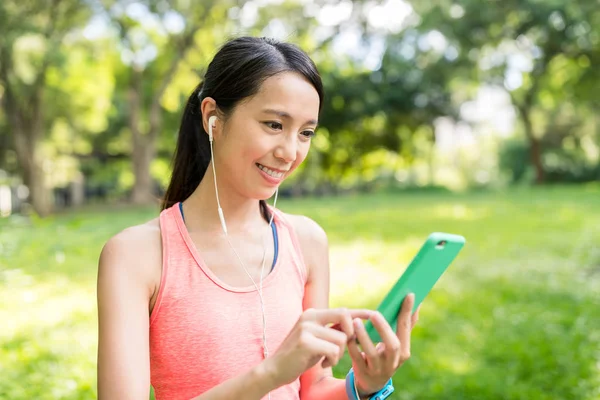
x=517, y=316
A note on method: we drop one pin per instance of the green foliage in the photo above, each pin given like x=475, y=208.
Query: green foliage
x=566, y=162
x=517, y=316
x=378, y=118
x=541, y=52
x=514, y=159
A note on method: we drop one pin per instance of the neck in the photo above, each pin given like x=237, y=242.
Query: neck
x=201, y=208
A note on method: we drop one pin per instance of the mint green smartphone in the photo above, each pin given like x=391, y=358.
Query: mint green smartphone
x=434, y=257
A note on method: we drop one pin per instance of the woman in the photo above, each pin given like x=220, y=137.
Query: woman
x=222, y=296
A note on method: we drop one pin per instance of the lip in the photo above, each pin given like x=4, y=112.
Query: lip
x=274, y=169
x=270, y=179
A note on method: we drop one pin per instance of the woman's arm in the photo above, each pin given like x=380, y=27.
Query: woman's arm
x=374, y=365
x=124, y=290
x=252, y=385
x=128, y=276
x=318, y=382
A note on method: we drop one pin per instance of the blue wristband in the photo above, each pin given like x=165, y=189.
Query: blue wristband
x=352, y=392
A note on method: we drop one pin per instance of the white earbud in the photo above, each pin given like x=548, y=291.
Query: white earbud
x=211, y=123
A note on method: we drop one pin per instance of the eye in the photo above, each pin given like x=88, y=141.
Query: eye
x=308, y=134
x=274, y=125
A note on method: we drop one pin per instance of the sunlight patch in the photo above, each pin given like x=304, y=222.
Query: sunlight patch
x=367, y=269
x=460, y=212
x=42, y=305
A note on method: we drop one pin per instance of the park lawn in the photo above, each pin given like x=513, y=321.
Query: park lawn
x=517, y=316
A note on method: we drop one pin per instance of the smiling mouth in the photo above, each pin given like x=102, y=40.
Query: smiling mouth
x=270, y=172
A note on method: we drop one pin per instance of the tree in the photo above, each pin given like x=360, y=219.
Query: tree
x=31, y=37
x=514, y=43
x=154, y=38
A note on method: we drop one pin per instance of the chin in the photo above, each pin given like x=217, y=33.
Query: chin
x=265, y=194
x=269, y=195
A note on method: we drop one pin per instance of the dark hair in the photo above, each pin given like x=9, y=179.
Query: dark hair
x=236, y=73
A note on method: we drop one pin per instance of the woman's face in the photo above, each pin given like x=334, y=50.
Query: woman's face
x=267, y=136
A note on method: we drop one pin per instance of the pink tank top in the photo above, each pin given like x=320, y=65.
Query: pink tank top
x=203, y=331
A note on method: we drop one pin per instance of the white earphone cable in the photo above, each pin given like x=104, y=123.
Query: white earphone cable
x=259, y=289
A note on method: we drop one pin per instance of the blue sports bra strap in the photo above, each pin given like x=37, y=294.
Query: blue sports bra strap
x=273, y=228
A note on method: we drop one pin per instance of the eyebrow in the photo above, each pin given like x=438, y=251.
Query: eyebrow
x=283, y=114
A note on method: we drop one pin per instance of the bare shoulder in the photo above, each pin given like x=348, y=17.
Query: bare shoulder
x=136, y=242
x=135, y=252
x=308, y=230
x=312, y=238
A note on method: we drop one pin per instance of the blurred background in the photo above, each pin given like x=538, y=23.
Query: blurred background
x=480, y=118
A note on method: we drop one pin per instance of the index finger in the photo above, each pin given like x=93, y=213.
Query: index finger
x=385, y=331
x=404, y=325
x=341, y=318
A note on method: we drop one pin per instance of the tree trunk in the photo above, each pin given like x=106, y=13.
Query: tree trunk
x=40, y=194
x=143, y=154
x=535, y=154
x=27, y=126
x=535, y=148
x=143, y=143
x=77, y=190
x=31, y=161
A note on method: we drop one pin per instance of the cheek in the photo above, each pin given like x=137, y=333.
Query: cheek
x=302, y=153
x=244, y=151
x=253, y=151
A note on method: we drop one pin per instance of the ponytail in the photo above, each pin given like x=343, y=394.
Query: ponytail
x=192, y=154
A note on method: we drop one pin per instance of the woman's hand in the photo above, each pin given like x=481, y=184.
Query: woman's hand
x=313, y=338
x=376, y=364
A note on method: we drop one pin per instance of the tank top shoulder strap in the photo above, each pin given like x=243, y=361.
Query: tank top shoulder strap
x=169, y=231
x=171, y=244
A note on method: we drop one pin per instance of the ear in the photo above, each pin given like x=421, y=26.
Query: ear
x=208, y=108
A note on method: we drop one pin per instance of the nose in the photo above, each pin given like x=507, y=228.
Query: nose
x=287, y=149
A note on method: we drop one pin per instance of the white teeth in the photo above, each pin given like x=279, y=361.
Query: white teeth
x=270, y=172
